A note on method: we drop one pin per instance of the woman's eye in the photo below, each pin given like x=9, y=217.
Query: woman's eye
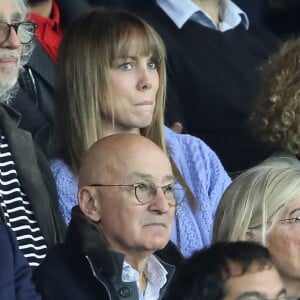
x=152, y=65
x=126, y=66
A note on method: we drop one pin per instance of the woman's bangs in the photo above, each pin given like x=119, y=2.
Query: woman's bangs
x=138, y=42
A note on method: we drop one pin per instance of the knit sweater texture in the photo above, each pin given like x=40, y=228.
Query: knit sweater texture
x=203, y=173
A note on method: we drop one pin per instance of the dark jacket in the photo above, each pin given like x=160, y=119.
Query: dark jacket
x=15, y=273
x=35, y=177
x=83, y=268
x=35, y=99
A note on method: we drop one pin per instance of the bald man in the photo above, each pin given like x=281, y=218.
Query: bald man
x=125, y=214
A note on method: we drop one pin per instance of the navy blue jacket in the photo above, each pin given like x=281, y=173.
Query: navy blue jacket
x=15, y=273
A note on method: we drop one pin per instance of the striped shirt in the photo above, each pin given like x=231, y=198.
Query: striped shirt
x=16, y=209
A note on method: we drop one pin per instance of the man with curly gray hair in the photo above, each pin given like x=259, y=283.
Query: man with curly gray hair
x=28, y=201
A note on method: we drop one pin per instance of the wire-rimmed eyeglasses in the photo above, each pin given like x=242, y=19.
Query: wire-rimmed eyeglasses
x=24, y=30
x=145, y=192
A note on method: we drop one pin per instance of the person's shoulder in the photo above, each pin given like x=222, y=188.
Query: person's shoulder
x=59, y=167
x=56, y=258
x=9, y=112
x=176, y=139
x=193, y=153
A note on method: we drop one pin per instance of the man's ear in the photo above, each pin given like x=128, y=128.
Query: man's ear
x=89, y=204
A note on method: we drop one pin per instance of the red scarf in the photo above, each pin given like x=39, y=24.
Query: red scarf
x=49, y=31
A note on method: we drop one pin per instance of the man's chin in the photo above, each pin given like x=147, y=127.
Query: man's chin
x=157, y=244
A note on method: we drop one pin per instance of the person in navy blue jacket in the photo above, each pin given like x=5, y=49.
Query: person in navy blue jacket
x=15, y=273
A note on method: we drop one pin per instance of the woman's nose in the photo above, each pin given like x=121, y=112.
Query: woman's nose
x=145, y=82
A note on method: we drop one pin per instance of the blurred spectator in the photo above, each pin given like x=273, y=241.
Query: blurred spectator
x=276, y=113
x=227, y=271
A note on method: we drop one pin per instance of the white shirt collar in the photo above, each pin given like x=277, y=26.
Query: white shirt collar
x=180, y=11
x=156, y=275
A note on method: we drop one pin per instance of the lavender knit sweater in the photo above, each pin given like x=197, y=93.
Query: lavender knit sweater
x=202, y=171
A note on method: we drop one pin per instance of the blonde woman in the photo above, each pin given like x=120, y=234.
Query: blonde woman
x=112, y=79
x=263, y=204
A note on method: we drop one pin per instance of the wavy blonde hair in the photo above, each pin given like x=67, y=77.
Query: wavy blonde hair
x=256, y=198
x=89, y=47
x=276, y=116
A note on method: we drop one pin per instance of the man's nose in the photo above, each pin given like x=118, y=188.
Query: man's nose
x=13, y=40
x=144, y=82
x=160, y=202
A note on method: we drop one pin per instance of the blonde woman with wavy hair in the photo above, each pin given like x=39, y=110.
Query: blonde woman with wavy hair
x=263, y=204
x=111, y=78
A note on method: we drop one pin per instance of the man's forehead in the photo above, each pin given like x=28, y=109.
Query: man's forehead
x=257, y=282
x=150, y=177
x=13, y=17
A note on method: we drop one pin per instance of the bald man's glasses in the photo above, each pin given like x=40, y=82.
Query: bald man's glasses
x=24, y=30
x=146, y=192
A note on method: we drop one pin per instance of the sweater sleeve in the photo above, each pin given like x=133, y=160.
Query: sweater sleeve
x=66, y=185
x=206, y=168
x=217, y=177
x=204, y=174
